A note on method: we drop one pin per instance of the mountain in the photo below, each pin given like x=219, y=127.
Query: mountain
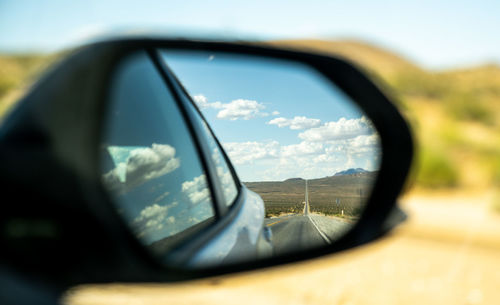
x=351, y=171
x=18, y=72
x=293, y=189
x=324, y=193
x=373, y=58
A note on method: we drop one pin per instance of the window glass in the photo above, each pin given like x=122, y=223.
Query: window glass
x=224, y=174
x=149, y=161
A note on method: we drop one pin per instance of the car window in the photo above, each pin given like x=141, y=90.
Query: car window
x=226, y=179
x=223, y=172
x=150, y=164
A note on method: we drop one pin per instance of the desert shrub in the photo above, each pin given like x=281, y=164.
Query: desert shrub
x=495, y=203
x=468, y=106
x=422, y=84
x=6, y=84
x=277, y=208
x=434, y=169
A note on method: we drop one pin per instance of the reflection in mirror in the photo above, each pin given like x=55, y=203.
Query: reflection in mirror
x=294, y=138
x=148, y=161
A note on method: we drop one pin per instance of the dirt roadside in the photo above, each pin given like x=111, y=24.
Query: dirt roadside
x=448, y=252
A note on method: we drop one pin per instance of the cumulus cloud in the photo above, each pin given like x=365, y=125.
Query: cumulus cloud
x=305, y=159
x=301, y=149
x=227, y=182
x=234, y=110
x=247, y=152
x=359, y=145
x=202, y=102
x=363, y=142
x=197, y=190
x=241, y=109
x=155, y=218
x=142, y=165
x=151, y=218
x=149, y=163
x=341, y=129
x=326, y=158
x=224, y=174
x=298, y=122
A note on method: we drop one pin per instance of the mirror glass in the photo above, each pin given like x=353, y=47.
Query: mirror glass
x=306, y=156
x=294, y=138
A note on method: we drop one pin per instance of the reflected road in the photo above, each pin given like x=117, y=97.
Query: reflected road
x=304, y=231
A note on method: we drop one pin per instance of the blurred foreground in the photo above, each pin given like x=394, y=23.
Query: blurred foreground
x=446, y=253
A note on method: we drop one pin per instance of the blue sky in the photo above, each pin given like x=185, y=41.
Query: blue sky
x=276, y=119
x=437, y=34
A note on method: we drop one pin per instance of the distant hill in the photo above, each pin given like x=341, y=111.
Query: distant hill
x=376, y=59
x=289, y=195
x=351, y=171
x=19, y=71
x=293, y=189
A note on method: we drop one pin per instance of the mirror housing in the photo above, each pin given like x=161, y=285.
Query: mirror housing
x=65, y=228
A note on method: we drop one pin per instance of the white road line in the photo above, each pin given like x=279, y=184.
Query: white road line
x=328, y=241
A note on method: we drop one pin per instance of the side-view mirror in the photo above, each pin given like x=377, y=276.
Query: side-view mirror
x=115, y=173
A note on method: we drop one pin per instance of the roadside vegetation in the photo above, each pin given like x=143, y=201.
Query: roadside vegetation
x=276, y=209
x=17, y=73
x=348, y=207
x=341, y=196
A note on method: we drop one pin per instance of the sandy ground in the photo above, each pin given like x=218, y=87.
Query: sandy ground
x=448, y=252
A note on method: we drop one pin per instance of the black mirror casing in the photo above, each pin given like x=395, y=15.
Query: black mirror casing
x=63, y=227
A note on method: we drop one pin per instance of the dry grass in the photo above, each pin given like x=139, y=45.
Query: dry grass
x=17, y=73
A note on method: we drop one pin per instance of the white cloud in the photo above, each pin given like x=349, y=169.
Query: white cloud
x=247, y=152
x=142, y=165
x=202, y=102
x=350, y=161
x=241, y=109
x=227, y=182
x=234, y=110
x=153, y=211
x=149, y=163
x=151, y=218
x=326, y=158
x=275, y=113
x=341, y=129
x=363, y=144
x=272, y=161
x=224, y=174
x=161, y=197
x=298, y=122
x=363, y=141
x=154, y=218
x=197, y=190
x=301, y=149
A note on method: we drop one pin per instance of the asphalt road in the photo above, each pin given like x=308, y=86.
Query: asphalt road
x=300, y=231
